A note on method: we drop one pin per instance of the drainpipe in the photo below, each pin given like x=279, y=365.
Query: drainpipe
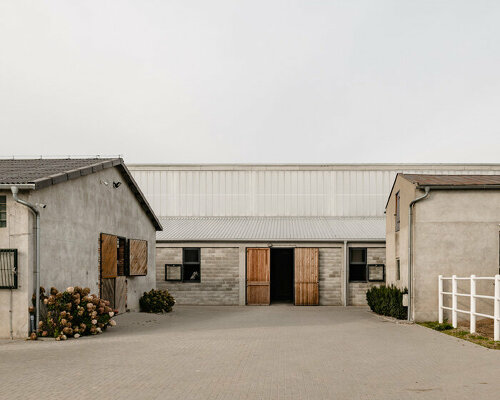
x=33, y=209
x=410, y=250
x=346, y=278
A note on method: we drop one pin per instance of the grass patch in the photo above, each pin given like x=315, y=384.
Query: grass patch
x=462, y=333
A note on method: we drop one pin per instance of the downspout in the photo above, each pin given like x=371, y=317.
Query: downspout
x=346, y=285
x=33, y=209
x=410, y=250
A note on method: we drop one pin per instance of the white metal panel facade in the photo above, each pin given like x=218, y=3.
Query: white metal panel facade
x=279, y=190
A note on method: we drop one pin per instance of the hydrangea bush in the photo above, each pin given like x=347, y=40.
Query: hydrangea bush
x=74, y=313
x=156, y=301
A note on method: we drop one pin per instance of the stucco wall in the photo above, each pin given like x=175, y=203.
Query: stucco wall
x=77, y=212
x=456, y=232
x=17, y=235
x=219, y=276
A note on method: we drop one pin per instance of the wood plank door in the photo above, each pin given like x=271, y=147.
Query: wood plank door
x=258, y=276
x=306, y=276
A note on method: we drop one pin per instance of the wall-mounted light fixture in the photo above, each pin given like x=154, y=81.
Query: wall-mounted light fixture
x=116, y=185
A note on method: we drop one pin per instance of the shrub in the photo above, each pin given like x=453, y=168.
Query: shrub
x=73, y=313
x=387, y=300
x=156, y=301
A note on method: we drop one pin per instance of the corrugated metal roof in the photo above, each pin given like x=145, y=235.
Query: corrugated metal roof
x=453, y=180
x=271, y=228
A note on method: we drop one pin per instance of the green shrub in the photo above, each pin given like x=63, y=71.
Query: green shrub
x=437, y=326
x=387, y=300
x=156, y=301
x=73, y=313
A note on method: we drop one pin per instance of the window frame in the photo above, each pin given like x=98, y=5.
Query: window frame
x=176, y=266
x=368, y=272
x=191, y=263
x=357, y=263
x=398, y=269
x=3, y=201
x=397, y=214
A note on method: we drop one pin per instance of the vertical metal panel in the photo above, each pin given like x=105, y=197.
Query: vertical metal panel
x=274, y=191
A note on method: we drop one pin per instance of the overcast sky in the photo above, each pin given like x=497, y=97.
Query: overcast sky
x=252, y=81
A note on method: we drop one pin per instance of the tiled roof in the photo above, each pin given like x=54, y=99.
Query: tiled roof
x=43, y=172
x=271, y=228
x=453, y=180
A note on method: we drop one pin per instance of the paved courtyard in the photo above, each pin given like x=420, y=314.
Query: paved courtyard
x=277, y=352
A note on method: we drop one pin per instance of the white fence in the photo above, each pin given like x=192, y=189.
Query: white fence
x=473, y=296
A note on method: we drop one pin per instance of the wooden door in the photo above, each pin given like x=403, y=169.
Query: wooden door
x=306, y=276
x=121, y=294
x=258, y=276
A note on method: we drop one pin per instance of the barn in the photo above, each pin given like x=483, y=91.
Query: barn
x=303, y=234
x=72, y=222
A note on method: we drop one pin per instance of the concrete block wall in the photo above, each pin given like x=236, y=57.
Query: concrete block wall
x=357, y=290
x=219, y=276
x=330, y=276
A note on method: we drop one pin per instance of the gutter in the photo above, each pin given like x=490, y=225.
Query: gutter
x=32, y=207
x=21, y=186
x=410, y=250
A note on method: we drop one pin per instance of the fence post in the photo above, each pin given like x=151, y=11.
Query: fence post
x=440, y=291
x=454, y=306
x=473, y=304
x=496, y=323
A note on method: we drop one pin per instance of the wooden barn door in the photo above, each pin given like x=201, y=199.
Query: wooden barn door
x=258, y=276
x=306, y=276
x=109, y=267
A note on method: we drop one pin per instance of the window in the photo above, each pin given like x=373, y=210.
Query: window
x=173, y=272
x=357, y=265
x=398, y=216
x=376, y=272
x=8, y=269
x=3, y=211
x=191, y=265
x=398, y=270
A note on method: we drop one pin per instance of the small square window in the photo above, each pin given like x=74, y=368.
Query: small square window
x=173, y=272
x=191, y=255
x=376, y=272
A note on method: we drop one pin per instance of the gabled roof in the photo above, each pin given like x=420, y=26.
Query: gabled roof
x=194, y=229
x=45, y=172
x=452, y=180
x=434, y=181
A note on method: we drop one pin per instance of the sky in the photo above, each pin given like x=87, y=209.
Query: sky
x=252, y=81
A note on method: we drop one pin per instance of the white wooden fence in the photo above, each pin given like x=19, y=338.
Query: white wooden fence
x=473, y=296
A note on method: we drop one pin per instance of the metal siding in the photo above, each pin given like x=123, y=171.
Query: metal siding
x=270, y=191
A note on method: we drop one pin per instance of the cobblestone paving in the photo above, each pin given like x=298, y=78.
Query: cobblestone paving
x=277, y=352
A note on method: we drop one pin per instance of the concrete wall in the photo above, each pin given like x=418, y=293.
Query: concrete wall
x=223, y=272
x=357, y=290
x=331, y=276
x=17, y=235
x=219, y=276
x=456, y=232
x=77, y=212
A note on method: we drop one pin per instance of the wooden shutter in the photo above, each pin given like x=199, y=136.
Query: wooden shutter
x=138, y=257
x=108, y=256
x=258, y=276
x=306, y=276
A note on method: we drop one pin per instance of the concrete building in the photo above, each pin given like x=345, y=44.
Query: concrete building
x=258, y=234
x=97, y=230
x=454, y=231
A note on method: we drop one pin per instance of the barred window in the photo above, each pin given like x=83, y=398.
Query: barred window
x=8, y=269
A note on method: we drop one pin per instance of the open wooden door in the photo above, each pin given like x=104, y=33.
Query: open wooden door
x=306, y=276
x=109, y=267
x=258, y=276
